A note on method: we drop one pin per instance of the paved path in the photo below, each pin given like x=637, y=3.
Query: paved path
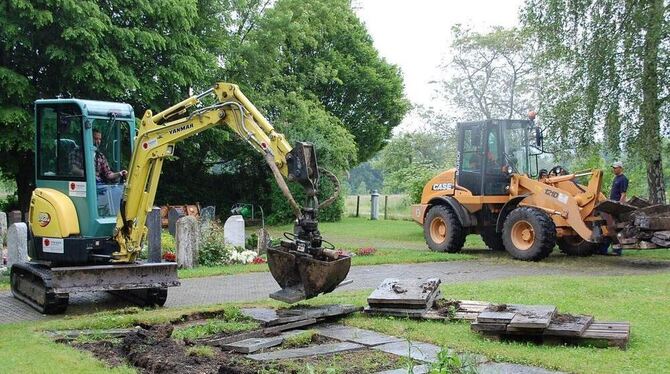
x=256, y=286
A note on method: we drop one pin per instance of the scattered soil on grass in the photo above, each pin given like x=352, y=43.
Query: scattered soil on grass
x=106, y=351
x=446, y=307
x=564, y=318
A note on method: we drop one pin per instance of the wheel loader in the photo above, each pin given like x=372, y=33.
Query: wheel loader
x=86, y=234
x=501, y=191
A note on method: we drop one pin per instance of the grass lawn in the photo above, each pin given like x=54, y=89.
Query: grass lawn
x=641, y=300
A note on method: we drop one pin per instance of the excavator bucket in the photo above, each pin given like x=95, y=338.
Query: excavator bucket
x=302, y=276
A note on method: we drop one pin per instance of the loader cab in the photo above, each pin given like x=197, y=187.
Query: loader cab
x=490, y=151
x=66, y=155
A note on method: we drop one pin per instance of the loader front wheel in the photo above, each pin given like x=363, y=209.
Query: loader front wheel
x=576, y=246
x=529, y=234
x=443, y=231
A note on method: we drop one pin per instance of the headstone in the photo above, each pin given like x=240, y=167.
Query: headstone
x=154, y=235
x=14, y=217
x=407, y=293
x=173, y=216
x=263, y=241
x=17, y=244
x=3, y=226
x=253, y=344
x=417, y=350
x=207, y=213
x=187, y=238
x=355, y=335
x=233, y=231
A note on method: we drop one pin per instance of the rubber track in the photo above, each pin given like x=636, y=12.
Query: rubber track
x=40, y=277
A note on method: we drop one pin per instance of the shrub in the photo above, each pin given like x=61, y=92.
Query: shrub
x=365, y=251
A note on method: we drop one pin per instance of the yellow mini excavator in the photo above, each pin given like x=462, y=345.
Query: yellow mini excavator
x=500, y=191
x=86, y=232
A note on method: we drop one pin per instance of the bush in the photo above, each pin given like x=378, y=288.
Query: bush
x=213, y=250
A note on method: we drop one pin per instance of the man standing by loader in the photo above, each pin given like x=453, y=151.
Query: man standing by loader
x=617, y=193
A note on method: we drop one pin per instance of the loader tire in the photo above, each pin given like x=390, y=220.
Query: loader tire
x=576, y=246
x=529, y=234
x=492, y=239
x=443, y=231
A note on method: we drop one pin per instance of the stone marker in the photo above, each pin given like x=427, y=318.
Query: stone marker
x=233, y=231
x=253, y=344
x=14, y=217
x=154, y=235
x=173, y=216
x=355, y=335
x=207, y=214
x=410, y=293
x=263, y=241
x=3, y=226
x=531, y=316
x=417, y=350
x=17, y=244
x=187, y=240
x=322, y=349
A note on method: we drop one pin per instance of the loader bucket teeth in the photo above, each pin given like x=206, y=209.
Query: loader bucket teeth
x=304, y=277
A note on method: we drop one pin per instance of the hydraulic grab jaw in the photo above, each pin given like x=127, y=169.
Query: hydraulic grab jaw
x=301, y=266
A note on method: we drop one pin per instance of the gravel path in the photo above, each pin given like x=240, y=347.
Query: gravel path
x=257, y=286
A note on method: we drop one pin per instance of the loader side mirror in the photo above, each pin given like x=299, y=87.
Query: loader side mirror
x=538, y=137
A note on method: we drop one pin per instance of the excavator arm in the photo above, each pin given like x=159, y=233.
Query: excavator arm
x=302, y=253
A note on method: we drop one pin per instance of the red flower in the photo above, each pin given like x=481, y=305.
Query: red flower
x=366, y=251
x=169, y=256
x=258, y=260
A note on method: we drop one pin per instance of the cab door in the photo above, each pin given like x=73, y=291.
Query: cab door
x=496, y=179
x=470, y=156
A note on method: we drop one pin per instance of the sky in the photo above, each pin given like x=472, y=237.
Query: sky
x=416, y=35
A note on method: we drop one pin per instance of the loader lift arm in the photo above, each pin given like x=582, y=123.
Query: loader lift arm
x=156, y=139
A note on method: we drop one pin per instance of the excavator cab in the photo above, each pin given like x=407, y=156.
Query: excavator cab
x=65, y=175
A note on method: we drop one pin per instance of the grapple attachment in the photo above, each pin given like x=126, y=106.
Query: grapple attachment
x=302, y=276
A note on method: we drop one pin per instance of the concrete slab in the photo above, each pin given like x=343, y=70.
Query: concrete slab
x=419, y=369
x=419, y=351
x=263, y=315
x=417, y=291
x=503, y=368
x=356, y=335
x=316, y=350
x=253, y=344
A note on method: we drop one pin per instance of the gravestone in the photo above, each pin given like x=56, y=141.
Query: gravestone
x=154, y=234
x=207, y=213
x=187, y=238
x=17, y=244
x=14, y=217
x=3, y=227
x=263, y=241
x=173, y=216
x=233, y=231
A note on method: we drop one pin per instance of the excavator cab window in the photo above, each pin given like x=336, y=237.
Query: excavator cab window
x=115, y=147
x=60, y=147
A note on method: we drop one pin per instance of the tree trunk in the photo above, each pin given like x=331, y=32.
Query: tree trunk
x=650, y=130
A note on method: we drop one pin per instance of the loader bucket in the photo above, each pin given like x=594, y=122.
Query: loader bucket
x=304, y=277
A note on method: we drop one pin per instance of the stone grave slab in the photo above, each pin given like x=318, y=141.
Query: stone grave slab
x=322, y=349
x=565, y=325
x=253, y=344
x=504, y=368
x=174, y=215
x=355, y=335
x=417, y=350
x=323, y=311
x=488, y=327
x=262, y=315
x=418, y=369
x=495, y=317
x=289, y=326
x=531, y=316
x=406, y=292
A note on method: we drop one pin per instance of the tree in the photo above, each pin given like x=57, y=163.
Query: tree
x=490, y=75
x=143, y=53
x=605, y=67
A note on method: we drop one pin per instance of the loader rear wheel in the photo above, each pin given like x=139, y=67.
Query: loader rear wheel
x=576, y=246
x=529, y=234
x=492, y=239
x=443, y=231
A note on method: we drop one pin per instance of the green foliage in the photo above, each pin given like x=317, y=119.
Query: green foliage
x=201, y=351
x=449, y=362
x=167, y=242
x=212, y=327
x=604, y=72
x=300, y=339
x=213, y=251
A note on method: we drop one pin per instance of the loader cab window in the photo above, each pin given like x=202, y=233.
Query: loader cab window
x=60, y=150
x=472, y=150
x=516, y=147
x=114, y=149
